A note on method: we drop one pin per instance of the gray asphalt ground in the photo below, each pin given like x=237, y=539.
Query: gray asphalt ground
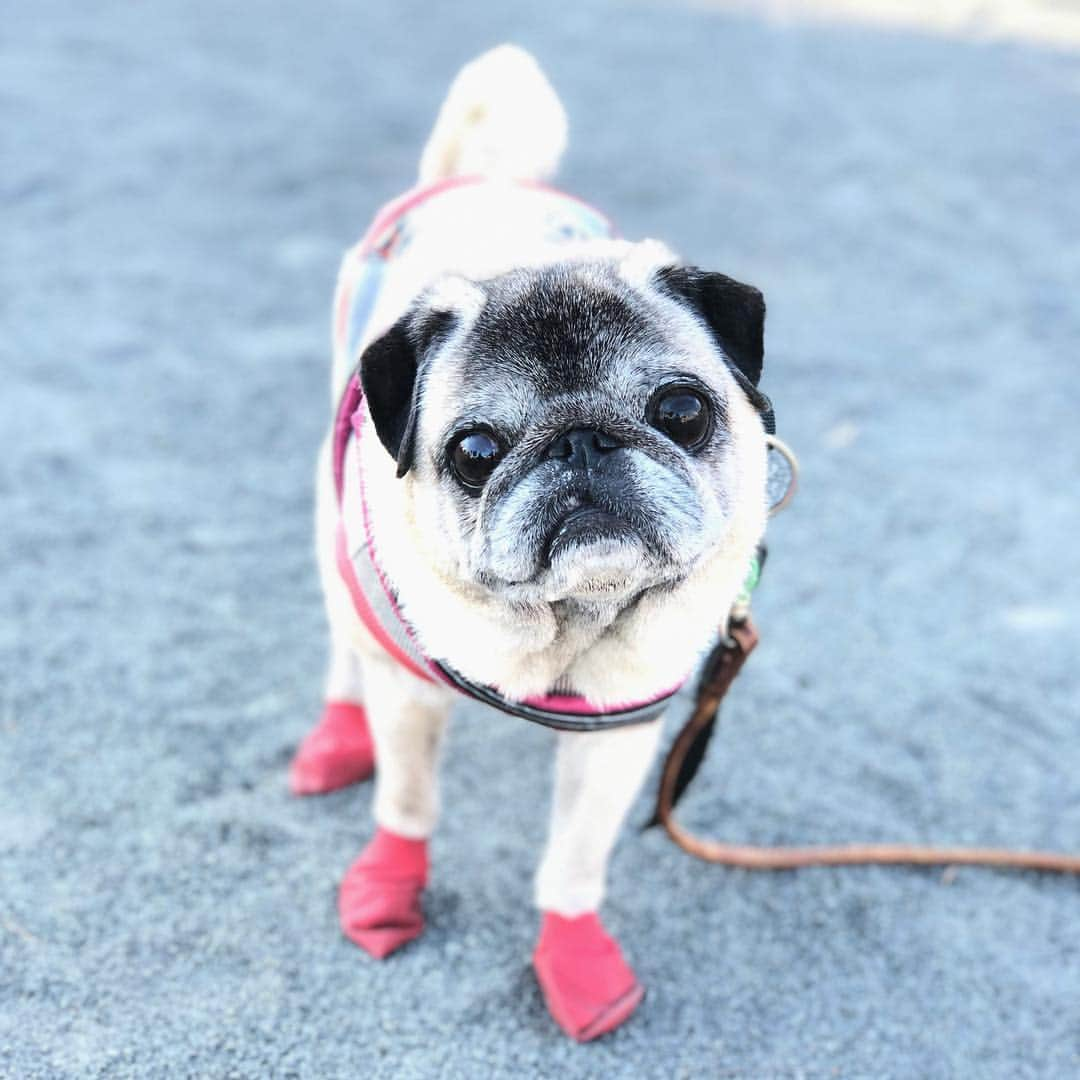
x=178, y=181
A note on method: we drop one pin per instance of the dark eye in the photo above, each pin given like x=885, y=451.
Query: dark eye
x=474, y=456
x=683, y=415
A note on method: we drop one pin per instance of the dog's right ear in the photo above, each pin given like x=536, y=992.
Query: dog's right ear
x=391, y=373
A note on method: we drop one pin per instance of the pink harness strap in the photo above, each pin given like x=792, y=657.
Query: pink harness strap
x=363, y=608
x=350, y=420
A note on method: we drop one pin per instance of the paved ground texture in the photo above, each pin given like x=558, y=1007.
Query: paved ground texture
x=178, y=180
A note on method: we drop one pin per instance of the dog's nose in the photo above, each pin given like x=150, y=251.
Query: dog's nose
x=582, y=448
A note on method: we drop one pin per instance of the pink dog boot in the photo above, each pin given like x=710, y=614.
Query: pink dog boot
x=337, y=752
x=588, y=987
x=379, y=899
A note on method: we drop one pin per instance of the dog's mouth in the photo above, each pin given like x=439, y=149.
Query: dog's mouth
x=582, y=526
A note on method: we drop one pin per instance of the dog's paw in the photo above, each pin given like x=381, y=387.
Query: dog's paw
x=379, y=899
x=587, y=984
x=337, y=752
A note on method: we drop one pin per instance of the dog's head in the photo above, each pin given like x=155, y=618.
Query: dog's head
x=576, y=431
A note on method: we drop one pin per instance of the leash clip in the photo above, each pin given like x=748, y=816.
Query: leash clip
x=783, y=474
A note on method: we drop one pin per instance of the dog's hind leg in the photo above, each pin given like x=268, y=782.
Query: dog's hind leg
x=339, y=750
x=588, y=986
x=379, y=900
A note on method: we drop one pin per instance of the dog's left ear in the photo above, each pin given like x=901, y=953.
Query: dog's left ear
x=391, y=373
x=733, y=312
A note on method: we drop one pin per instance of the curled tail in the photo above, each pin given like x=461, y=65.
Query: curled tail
x=501, y=117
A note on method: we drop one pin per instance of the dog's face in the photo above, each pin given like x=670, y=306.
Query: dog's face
x=567, y=430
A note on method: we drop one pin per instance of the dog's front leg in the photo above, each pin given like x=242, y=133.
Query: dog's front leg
x=379, y=900
x=588, y=986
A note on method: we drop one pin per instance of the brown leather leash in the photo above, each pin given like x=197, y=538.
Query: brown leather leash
x=688, y=751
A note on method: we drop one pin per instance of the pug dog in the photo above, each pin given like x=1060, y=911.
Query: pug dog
x=543, y=486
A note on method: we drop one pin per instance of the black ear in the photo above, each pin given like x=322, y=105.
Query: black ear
x=391, y=371
x=735, y=313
